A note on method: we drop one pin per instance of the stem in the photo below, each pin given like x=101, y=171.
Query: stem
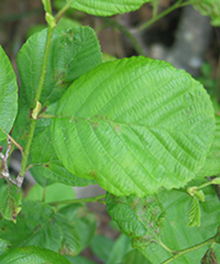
x=61, y=12
x=162, y=14
x=49, y=6
x=184, y=251
x=96, y=199
x=13, y=141
x=24, y=162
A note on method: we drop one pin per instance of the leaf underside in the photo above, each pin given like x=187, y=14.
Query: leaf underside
x=134, y=125
x=107, y=7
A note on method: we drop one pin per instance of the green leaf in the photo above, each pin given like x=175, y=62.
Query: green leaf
x=48, y=165
x=211, y=166
x=10, y=202
x=195, y=214
x=107, y=7
x=73, y=52
x=71, y=242
x=208, y=8
x=140, y=218
x=33, y=254
x=120, y=248
x=177, y=235
x=209, y=257
x=101, y=247
x=84, y=221
x=35, y=225
x=4, y=246
x=134, y=125
x=8, y=95
x=134, y=257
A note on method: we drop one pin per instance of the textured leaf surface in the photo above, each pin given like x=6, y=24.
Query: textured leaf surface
x=35, y=226
x=211, y=166
x=208, y=8
x=140, y=218
x=134, y=125
x=48, y=165
x=10, y=202
x=33, y=254
x=73, y=52
x=177, y=235
x=107, y=7
x=194, y=215
x=8, y=95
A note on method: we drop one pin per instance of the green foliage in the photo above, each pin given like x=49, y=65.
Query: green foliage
x=144, y=116
x=8, y=95
x=143, y=130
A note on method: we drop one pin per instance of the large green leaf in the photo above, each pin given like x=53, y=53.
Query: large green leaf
x=8, y=95
x=107, y=7
x=178, y=235
x=4, y=246
x=73, y=52
x=140, y=218
x=33, y=254
x=134, y=125
x=47, y=164
x=134, y=257
x=208, y=8
x=211, y=166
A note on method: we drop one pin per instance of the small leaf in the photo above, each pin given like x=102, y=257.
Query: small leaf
x=73, y=52
x=33, y=254
x=140, y=218
x=107, y=7
x=200, y=195
x=101, y=247
x=209, y=257
x=10, y=202
x=216, y=181
x=135, y=125
x=208, y=8
x=195, y=214
x=191, y=190
x=8, y=95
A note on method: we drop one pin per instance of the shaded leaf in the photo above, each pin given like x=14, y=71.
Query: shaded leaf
x=140, y=218
x=84, y=221
x=73, y=52
x=8, y=95
x=134, y=125
x=107, y=7
x=10, y=202
x=79, y=260
x=33, y=254
x=101, y=246
x=120, y=248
